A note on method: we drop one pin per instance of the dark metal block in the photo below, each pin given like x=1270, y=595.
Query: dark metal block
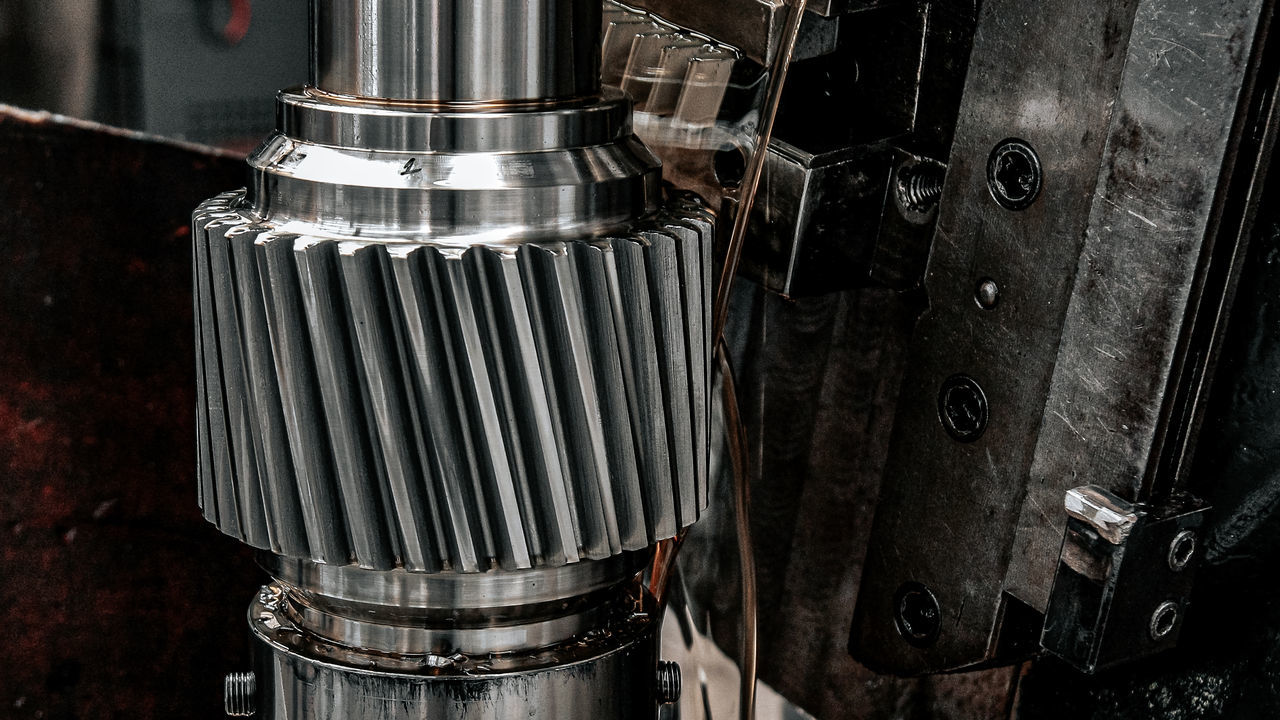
x=1124, y=578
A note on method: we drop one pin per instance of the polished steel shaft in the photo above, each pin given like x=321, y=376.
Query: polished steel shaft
x=457, y=51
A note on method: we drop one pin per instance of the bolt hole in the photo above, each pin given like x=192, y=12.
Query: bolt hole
x=729, y=166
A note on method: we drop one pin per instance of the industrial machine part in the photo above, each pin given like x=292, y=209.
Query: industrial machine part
x=1073, y=275
x=454, y=369
x=455, y=360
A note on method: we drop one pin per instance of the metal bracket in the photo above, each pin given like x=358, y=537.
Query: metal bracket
x=1124, y=578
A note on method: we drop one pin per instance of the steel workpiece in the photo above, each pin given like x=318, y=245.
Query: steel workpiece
x=454, y=370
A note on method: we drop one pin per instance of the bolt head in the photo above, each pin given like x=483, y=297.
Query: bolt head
x=1163, y=620
x=1181, y=549
x=916, y=614
x=1014, y=175
x=962, y=408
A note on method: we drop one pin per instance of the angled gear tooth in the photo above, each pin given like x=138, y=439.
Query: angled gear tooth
x=604, y=355
x=501, y=499
x=633, y=320
x=691, y=212
x=473, y=478
x=302, y=415
x=205, y=492
x=363, y=498
x=275, y=466
x=411, y=507
x=536, y=402
x=583, y=488
x=499, y=310
x=241, y=435
x=692, y=298
x=219, y=479
x=663, y=269
x=448, y=455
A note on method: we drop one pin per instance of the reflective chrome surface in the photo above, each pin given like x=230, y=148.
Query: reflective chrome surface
x=493, y=590
x=412, y=613
x=610, y=676
x=457, y=50
x=459, y=199
x=308, y=115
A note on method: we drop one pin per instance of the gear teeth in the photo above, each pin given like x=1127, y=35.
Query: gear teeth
x=406, y=405
x=633, y=320
x=360, y=482
x=663, y=272
x=328, y=538
x=271, y=448
x=620, y=481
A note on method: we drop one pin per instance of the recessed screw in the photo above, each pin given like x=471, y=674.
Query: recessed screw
x=668, y=682
x=962, y=408
x=240, y=694
x=1181, y=549
x=987, y=294
x=1163, y=620
x=916, y=614
x=1013, y=174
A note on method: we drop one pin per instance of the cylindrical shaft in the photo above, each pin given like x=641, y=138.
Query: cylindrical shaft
x=468, y=51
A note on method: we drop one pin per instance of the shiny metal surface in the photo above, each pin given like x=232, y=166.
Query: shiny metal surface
x=609, y=673
x=457, y=51
x=492, y=591
x=454, y=370
x=413, y=613
x=527, y=406
x=458, y=199
x=310, y=116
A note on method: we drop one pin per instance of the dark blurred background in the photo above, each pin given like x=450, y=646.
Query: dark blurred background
x=117, y=599
x=198, y=70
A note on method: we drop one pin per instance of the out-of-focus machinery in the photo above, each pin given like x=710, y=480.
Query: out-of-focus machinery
x=455, y=345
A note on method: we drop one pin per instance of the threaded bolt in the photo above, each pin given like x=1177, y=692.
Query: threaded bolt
x=919, y=187
x=240, y=694
x=668, y=682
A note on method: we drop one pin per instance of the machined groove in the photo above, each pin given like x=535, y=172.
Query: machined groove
x=399, y=404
